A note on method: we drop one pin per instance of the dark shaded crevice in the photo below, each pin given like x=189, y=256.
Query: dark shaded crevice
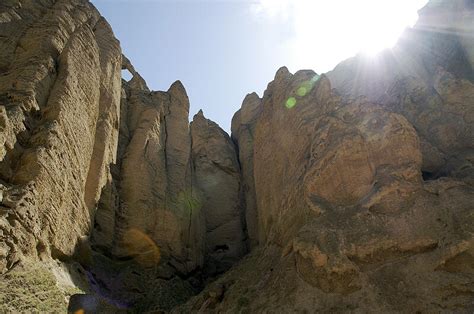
x=223, y=247
x=431, y=176
x=59, y=255
x=165, y=146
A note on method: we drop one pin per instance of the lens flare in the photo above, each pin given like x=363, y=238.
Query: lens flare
x=187, y=201
x=315, y=78
x=143, y=249
x=302, y=91
x=307, y=86
x=291, y=102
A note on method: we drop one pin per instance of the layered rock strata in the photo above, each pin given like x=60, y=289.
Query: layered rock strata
x=60, y=101
x=353, y=190
x=363, y=193
x=103, y=175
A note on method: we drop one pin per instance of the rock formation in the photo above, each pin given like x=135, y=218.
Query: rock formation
x=352, y=190
x=243, y=130
x=347, y=220
x=60, y=97
x=428, y=78
x=217, y=176
x=363, y=193
x=101, y=174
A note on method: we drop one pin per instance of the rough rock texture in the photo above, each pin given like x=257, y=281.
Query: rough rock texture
x=364, y=194
x=39, y=287
x=152, y=182
x=358, y=198
x=217, y=174
x=347, y=220
x=99, y=171
x=243, y=132
x=428, y=77
x=59, y=107
x=172, y=206
x=148, y=223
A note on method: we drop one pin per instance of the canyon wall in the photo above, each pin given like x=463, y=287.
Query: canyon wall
x=101, y=178
x=60, y=100
x=428, y=78
x=350, y=191
x=359, y=182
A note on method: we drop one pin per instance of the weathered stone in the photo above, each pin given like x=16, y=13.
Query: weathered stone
x=149, y=215
x=339, y=187
x=217, y=175
x=354, y=199
x=154, y=178
x=243, y=132
x=59, y=94
x=173, y=201
x=428, y=78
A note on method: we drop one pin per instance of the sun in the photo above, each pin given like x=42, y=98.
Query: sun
x=326, y=32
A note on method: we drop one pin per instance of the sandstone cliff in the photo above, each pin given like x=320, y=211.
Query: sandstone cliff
x=217, y=173
x=361, y=197
x=243, y=131
x=101, y=178
x=353, y=190
x=428, y=78
x=346, y=219
x=60, y=94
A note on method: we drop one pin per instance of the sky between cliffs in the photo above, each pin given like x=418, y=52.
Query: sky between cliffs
x=223, y=49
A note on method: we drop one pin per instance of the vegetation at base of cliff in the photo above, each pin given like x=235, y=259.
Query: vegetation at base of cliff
x=32, y=288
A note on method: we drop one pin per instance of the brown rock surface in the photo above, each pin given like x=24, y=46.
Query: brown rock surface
x=348, y=222
x=427, y=77
x=154, y=177
x=59, y=97
x=364, y=203
x=243, y=132
x=172, y=205
x=149, y=223
x=86, y=154
x=358, y=198
x=217, y=175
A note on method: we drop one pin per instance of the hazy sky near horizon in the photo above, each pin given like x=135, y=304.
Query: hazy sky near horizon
x=224, y=49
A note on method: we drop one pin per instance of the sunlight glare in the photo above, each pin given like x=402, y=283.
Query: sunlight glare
x=326, y=32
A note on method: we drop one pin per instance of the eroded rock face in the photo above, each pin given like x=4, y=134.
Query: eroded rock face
x=217, y=177
x=364, y=193
x=100, y=171
x=428, y=78
x=172, y=205
x=347, y=220
x=59, y=97
x=331, y=154
x=155, y=188
x=149, y=216
x=357, y=198
x=243, y=132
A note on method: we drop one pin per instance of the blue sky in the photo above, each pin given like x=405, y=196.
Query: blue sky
x=224, y=49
